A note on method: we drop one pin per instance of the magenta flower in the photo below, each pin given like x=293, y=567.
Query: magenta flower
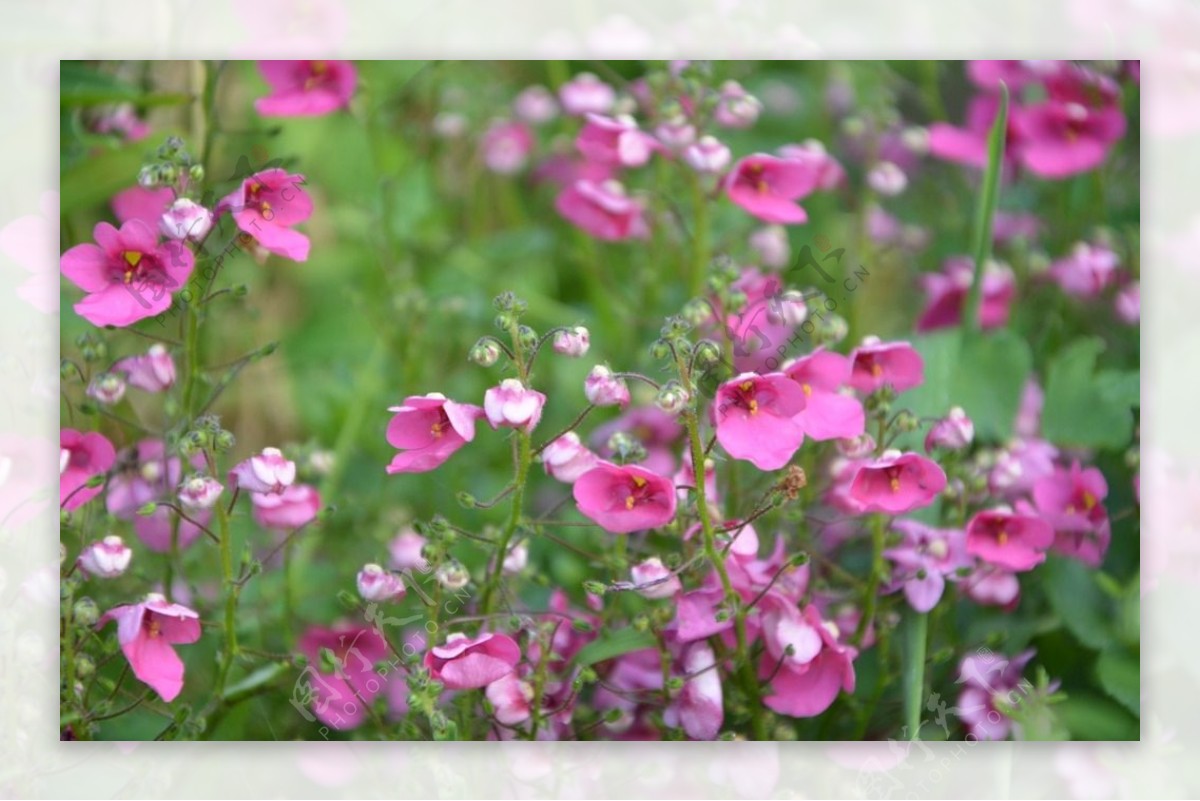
x=875, y=364
x=625, y=498
x=1020, y=466
x=602, y=388
x=1071, y=500
x=506, y=146
x=338, y=699
x=988, y=678
x=953, y=432
x=924, y=560
x=200, y=492
x=147, y=631
x=150, y=476
x=153, y=371
x=617, y=141
x=376, y=584
x=289, y=510
x=465, y=663
x=897, y=483
x=266, y=206
x=699, y=709
x=819, y=666
x=968, y=145
x=1010, y=540
x=186, y=219
x=827, y=414
x=269, y=472
x=989, y=585
x=1128, y=303
x=407, y=551
x=652, y=579
x=947, y=291
x=567, y=458
x=513, y=405
x=510, y=697
x=428, y=429
x=81, y=457
x=753, y=415
x=140, y=203
x=128, y=274
x=1087, y=271
x=586, y=94
x=1015, y=74
x=1073, y=129
x=768, y=187
x=107, y=558
x=603, y=210
x=829, y=173
x=305, y=88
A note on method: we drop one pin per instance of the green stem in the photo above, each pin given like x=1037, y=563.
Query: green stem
x=700, y=246
x=524, y=458
x=916, y=625
x=872, y=592
x=232, y=591
x=985, y=211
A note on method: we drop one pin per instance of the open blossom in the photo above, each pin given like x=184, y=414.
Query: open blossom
x=339, y=699
x=625, y=498
x=875, y=364
x=768, y=187
x=923, y=561
x=675, y=133
x=81, y=457
x=1010, y=540
x=121, y=119
x=602, y=388
x=699, y=708
x=535, y=105
x=506, y=146
x=428, y=429
x=953, y=432
x=1087, y=271
x=896, y=483
x=968, y=144
x=305, y=88
x=652, y=579
x=146, y=632
x=107, y=558
x=269, y=471
x=153, y=371
x=1074, y=127
x=151, y=476
x=465, y=663
x=1021, y=465
x=289, y=510
x=510, y=697
x=947, y=291
x=828, y=173
x=200, y=492
x=615, y=140
x=567, y=458
x=140, y=203
x=1072, y=501
x=753, y=415
x=989, y=585
x=573, y=342
x=736, y=108
x=827, y=413
x=603, y=209
x=586, y=94
x=266, y=206
x=513, y=405
x=709, y=155
x=186, y=219
x=988, y=678
x=819, y=665
x=128, y=274
x=407, y=551
x=376, y=584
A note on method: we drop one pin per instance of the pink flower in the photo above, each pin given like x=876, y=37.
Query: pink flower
x=618, y=141
x=654, y=580
x=147, y=631
x=753, y=415
x=767, y=187
x=968, y=145
x=602, y=388
x=699, y=709
x=186, y=219
x=875, y=364
x=819, y=666
x=510, y=698
x=107, y=558
x=887, y=179
x=986, y=678
x=573, y=342
x=953, y=432
x=771, y=244
x=925, y=559
x=122, y=120
x=1072, y=130
x=1020, y=466
x=127, y=274
x=626, y=498
x=266, y=206
x=81, y=457
x=896, y=483
x=305, y=88
x=947, y=291
x=1009, y=540
x=535, y=105
x=106, y=388
x=269, y=472
x=338, y=698
x=295, y=507
x=406, y=550
x=1071, y=500
x=513, y=405
x=1088, y=271
x=376, y=584
x=827, y=414
x=736, y=108
x=200, y=492
x=465, y=663
x=708, y=156
x=1128, y=303
x=428, y=429
x=153, y=371
x=150, y=476
x=140, y=203
x=828, y=171
x=586, y=94
x=656, y=430
x=566, y=458
x=603, y=210
x=992, y=586
x=506, y=146
x=1029, y=415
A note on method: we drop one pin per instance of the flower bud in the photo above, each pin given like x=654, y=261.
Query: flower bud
x=153, y=371
x=85, y=612
x=452, y=575
x=672, y=398
x=771, y=244
x=224, y=441
x=707, y=354
x=736, y=108
x=567, y=458
x=573, y=342
x=377, y=584
x=107, y=558
x=953, y=432
x=654, y=580
x=196, y=172
x=535, y=105
x=512, y=405
x=602, y=388
x=516, y=559
x=186, y=219
x=147, y=177
x=708, y=156
x=485, y=353
x=407, y=551
x=200, y=492
x=107, y=388
x=268, y=472
x=887, y=179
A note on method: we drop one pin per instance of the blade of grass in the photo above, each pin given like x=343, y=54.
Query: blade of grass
x=985, y=211
x=916, y=625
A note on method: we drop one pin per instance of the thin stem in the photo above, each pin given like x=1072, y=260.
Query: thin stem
x=872, y=590
x=916, y=626
x=232, y=591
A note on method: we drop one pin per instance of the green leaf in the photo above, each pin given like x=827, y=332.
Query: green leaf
x=1119, y=674
x=81, y=85
x=613, y=644
x=985, y=211
x=1073, y=593
x=96, y=179
x=1090, y=717
x=1085, y=408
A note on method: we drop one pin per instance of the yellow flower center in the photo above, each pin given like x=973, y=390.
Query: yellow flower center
x=1002, y=537
x=807, y=389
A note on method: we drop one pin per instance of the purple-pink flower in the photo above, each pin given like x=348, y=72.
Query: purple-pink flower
x=896, y=483
x=294, y=507
x=1072, y=501
x=428, y=430
x=153, y=371
x=266, y=206
x=875, y=364
x=946, y=295
x=625, y=498
x=1011, y=540
x=146, y=632
x=506, y=146
x=513, y=405
x=603, y=209
x=754, y=418
x=768, y=187
x=305, y=88
x=615, y=140
x=106, y=558
x=828, y=413
x=465, y=663
x=81, y=457
x=567, y=458
x=807, y=680
x=269, y=471
x=149, y=476
x=924, y=559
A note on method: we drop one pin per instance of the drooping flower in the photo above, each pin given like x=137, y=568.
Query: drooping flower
x=1010, y=540
x=107, y=558
x=106, y=388
x=709, y=155
x=128, y=274
x=146, y=632
x=567, y=458
x=827, y=413
x=586, y=94
x=81, y=457
x=1087, y=271
x=953, y=432
x=699, y=708
x=573, y=342
x=407, y=551
x=151, y=476
x=1072, y=501
x=603, y=209
x=896, y=483
x=653, y=579
x=376, y=584
x=465, y=663
x=615, y=140
x=153, y=371
x=602, y=388
x=754, y=418
x=947, y=291
x=989, y=585
x=513, y=405
x=200, y=492
x=186, y=219
x=828, y=173
x=768, y=187
x=625, y=498
x=535, y=105
x=510, y=697
x=289, y=510
x=306, y=88
x=925, y=559
x=819, y=666
x=506, y=146
x=266, y=472
x=736, y=108
x=428, y=429
x=875, y=364
x=266, y=206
